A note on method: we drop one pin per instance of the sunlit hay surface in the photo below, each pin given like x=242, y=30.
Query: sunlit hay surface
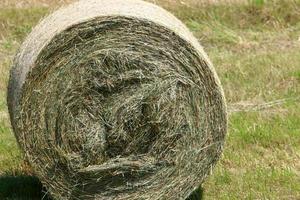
x=120, y=102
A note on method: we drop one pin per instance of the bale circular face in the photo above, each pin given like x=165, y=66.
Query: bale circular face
x=115, y=99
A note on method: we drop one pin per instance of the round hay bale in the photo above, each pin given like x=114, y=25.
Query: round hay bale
x=115, y=99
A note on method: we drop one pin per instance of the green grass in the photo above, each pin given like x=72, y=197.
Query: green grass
x=256, y=52
x=10, y=154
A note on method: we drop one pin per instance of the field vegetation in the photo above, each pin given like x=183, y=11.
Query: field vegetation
x=255, y=47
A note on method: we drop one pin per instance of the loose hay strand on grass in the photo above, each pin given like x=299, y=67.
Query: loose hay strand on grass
x=116, y=100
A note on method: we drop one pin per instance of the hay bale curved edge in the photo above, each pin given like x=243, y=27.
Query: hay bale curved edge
x=115, y=99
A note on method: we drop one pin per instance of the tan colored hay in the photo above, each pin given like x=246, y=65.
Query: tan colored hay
x=115, y=99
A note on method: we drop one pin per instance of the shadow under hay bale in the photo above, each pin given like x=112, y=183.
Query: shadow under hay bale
x=24, y=187
x=21, y=188
x=196, y=195
x=116, y=99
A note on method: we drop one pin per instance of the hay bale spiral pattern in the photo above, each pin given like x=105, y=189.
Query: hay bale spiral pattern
x=115, y=99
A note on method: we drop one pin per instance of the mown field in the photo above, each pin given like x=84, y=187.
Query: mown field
x=255, y=48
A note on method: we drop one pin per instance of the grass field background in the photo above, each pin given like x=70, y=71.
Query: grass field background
x=255, y=47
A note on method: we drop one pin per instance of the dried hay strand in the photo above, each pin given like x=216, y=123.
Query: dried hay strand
x=115, y=99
